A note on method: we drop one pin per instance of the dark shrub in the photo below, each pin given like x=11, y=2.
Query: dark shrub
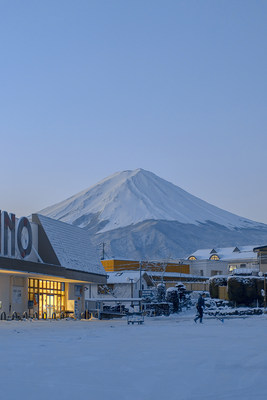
x=245, y=289
x=161, y=292
x=236, y=292
x=172, y=296
x=214, y=283
x=250, y=290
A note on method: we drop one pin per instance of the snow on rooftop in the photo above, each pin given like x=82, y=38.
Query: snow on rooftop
x=226, y=253
x=72, y=246
x=175, y=275
x=123, y=277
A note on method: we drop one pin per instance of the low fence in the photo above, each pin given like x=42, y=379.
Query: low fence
x=197, y=286
x=223, y=294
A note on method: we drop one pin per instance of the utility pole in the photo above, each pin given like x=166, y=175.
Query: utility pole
x=264, y=292
x=132, y=281
x=264, y=281
x=140, y=286
x=103, y=251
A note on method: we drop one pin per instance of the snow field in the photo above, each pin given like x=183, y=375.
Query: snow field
x=166, y=358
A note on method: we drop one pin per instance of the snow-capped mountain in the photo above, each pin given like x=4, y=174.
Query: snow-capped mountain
x=138, y=214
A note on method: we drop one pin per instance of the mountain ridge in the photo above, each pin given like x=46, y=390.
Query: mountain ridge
x=139, y=203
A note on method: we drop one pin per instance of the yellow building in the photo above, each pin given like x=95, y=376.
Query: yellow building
x=114, y=265
x=159, y=271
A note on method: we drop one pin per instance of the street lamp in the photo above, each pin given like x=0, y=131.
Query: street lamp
x=132, y=281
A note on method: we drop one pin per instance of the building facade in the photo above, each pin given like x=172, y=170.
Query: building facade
x=45, y=267
x=125, y=284
x=261, y=252
x=224, y=261
x=169, y=273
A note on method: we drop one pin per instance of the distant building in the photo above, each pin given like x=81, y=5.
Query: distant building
x=125, y=284
x=159, y=271
x=223, y=261
x=261, y=252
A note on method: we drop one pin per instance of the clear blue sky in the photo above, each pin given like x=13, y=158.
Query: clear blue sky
x=179, y=88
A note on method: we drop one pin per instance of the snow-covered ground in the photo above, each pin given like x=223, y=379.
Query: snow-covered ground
x=166, y=358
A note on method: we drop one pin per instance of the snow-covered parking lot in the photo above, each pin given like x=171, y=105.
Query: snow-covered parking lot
x=168, y=358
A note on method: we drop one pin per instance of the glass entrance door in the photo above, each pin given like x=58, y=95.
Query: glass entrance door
x=50, y=307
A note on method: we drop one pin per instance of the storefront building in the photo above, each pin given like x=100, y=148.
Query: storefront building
x=45, y=267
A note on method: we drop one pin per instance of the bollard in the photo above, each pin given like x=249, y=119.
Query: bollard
x=14, y=315
x=25, y=315
x=3, y=316
x=35, y=315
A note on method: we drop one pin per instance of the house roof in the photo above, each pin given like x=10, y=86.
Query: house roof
x=71, y=245
x=264, y=248
x=226, y=253
x=126, y=277
x=175, y=275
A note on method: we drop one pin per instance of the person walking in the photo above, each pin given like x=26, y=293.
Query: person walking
x=200, y=308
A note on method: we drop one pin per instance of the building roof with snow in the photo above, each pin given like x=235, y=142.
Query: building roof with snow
x=224, y=253
x=67, y=246
x=123, y=277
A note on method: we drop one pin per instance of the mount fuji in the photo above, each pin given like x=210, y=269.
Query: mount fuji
x=139, y=215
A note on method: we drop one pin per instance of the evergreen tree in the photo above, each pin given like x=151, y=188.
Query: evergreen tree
x=172, y=296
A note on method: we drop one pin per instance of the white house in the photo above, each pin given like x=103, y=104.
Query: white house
x=125, y=284
x=223, y=261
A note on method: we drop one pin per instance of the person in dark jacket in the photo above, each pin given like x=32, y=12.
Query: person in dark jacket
x=200, y=307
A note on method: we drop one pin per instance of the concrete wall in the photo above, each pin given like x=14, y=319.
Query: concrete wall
x=208, y=267
x=197, y=286
x=218, y=267
x=75, y=298
x=90, y=291
x=119, y=290
x=13, y=294
x=4, y=292
x=19, y=294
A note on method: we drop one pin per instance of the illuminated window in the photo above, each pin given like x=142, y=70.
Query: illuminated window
x=214, y=257
x=232, y=268
x=192, y=258
x=50, y=300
